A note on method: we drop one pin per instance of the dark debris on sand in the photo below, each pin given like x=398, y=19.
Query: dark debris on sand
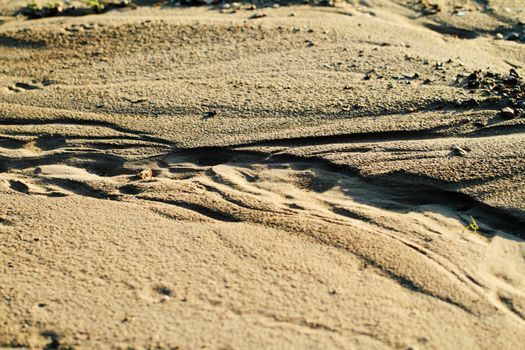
x=425, y=7
x=35, y=10
x=507, y=91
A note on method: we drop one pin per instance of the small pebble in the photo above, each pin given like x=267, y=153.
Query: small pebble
x=309, y=43
x=458, y=151
x=513, y=36
x=257, y=15
x=209, y=114
x=508, y=113
x=145, y=174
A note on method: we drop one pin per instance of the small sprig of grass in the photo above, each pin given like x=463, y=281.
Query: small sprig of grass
x=473, y=225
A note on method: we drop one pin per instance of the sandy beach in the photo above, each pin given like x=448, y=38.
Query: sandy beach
x=285, y=177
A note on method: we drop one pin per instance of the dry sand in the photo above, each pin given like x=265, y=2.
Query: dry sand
x=291, y=203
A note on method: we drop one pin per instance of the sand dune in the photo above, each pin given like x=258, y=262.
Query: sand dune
x=183, y=178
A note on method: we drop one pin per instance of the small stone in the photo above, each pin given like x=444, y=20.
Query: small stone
x=513, y=36
x=275, y=6
x=368, y=75
x=470, y=103
x=258, y=15
x=430, y=9
x=209, y=114
x=411, y=75
x=328, y=3
x=74, y=29
x=499, y=36
x=309, y=43
x=145, y=174
x=508, y=113
x=458, y=151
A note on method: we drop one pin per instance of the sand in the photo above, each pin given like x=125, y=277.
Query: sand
x=182, y=178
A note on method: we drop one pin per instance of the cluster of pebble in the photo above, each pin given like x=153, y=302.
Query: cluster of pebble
x=516, y=33
x=237, y=6
x=509, y=90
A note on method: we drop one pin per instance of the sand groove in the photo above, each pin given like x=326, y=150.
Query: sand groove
x=314, y=199
x=238, y=186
